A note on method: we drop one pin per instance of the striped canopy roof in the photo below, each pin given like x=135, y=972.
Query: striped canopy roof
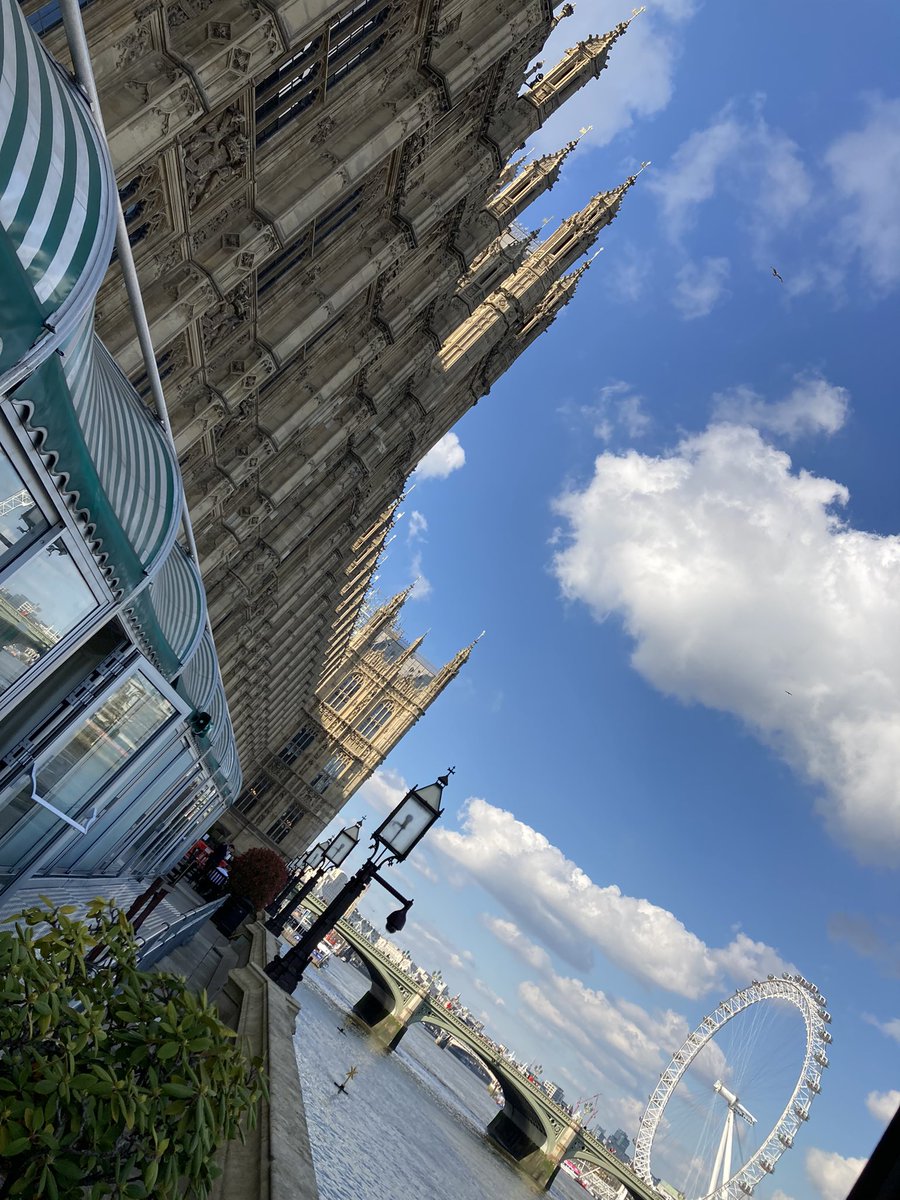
x=57, y=200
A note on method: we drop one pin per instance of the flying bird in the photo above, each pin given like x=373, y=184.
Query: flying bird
x=787, y=693
x=777, y=276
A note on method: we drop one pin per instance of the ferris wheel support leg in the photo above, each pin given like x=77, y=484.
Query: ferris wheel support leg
x=726, y=1168
x=720, y=1153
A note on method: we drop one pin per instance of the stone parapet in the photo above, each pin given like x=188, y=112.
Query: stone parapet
x=275, y=1160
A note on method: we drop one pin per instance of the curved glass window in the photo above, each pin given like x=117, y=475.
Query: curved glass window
x=20, y=518
x=41, y=601
x=93, y=751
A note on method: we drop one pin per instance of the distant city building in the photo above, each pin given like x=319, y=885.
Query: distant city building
x=554, y=1091
x=619, y=1142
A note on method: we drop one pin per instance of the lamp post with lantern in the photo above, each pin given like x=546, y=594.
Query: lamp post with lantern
x=318, y=859
x=397, y=835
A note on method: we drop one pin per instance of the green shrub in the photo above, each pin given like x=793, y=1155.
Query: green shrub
x=113, y=1082
x=258, y=875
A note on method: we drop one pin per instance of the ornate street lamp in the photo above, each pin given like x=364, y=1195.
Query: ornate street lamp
x=317, y=859
x=398, y=834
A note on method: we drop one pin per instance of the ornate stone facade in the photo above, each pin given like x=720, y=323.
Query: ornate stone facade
x=337, y=276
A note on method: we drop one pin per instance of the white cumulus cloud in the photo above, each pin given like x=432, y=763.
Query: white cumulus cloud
x=444, y=457
x=812, y=406
x=563, y=908
x=883, y=1105
x=512, y=936
x=384, y=789
x=699, y=286
x=739, y=583
x=865, y=172
x=831, y=1174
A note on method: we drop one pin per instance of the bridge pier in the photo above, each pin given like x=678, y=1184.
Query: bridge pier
x=523, y=1143
x=386, y=1020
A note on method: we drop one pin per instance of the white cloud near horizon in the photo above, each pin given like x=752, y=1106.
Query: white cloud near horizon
x=739, y=582
x=812, y=406
x=617, y=409
x=699, y=286
x=384, y=789
x=831, y=1174
x=564, y=909
x=843, y=201
x=883, y=1105
x=444, y=457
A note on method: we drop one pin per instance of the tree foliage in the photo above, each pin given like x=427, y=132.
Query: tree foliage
x=114, y=1083
x=258, y=875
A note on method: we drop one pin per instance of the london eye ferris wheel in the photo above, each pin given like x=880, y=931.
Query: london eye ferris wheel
x=736, y=1092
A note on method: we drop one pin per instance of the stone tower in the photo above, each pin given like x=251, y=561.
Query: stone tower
x=365, y=703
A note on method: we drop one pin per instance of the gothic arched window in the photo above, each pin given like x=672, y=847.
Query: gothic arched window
x=301, y=741
x=375, y=718
x=344, y=691
x=283, y=824
x=329, y=774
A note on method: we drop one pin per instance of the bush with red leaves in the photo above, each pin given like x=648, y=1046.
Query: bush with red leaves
x=258, y=875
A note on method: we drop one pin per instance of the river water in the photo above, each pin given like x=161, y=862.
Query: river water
x=411, y=1126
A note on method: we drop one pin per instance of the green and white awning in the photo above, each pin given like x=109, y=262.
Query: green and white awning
x=109, y=456
x=57, y=201
x=169, y=615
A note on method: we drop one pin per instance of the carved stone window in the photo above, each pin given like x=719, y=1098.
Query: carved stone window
x=251, y=796
x=282, y=825
x=311, y=241
x=344, y=691
x=375, y=718
x=353, y=38
x=143, y=202
x=302, y=740
x=289, y=90
x=330, y=773
x=172, y=359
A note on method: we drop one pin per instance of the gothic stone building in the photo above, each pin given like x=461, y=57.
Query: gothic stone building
x=376, y=691
x=323, y=202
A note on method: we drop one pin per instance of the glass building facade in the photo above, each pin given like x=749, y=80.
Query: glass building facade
x=106, y=660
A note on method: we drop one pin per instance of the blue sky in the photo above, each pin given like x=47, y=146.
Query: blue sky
x=678, y=745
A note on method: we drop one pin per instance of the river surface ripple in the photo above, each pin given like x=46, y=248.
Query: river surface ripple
x=411, y=1126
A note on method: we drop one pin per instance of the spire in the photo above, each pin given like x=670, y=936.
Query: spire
x=578, y=66
x=387, y=614
x=538, y=177
x=458, y=661
x=576, y=234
